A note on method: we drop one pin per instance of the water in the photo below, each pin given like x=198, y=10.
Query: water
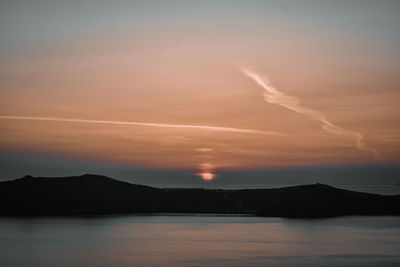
x=199, y=240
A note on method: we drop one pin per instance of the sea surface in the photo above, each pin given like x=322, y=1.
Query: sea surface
x=199, y=240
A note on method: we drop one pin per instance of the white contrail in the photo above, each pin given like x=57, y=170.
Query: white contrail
x=274, y=96
x=148, y=124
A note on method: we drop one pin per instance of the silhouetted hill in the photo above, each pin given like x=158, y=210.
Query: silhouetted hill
x=86, y=194
x=316, y=200
x=94, y=194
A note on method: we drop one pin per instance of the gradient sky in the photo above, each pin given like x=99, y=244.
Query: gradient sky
x=166, y=85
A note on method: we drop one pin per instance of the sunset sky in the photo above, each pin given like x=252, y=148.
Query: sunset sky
x=198, y=87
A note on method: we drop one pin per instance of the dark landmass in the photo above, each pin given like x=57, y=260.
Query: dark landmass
x=99, y=195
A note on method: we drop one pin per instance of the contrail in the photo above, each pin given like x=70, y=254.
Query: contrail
x=274, y=96
x=148, y=124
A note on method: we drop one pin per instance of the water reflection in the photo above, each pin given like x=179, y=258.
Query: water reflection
x=199, y=240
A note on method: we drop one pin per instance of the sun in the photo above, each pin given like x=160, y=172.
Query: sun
x=207, y=176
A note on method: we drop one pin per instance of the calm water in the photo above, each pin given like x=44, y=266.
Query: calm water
x=199, y=240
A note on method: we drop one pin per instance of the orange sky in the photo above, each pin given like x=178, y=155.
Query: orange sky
x=164, y=71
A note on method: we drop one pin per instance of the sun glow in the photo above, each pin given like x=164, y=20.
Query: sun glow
x=206, y=171
x=207, y=176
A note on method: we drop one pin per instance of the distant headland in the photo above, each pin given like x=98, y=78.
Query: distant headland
x=100, y=195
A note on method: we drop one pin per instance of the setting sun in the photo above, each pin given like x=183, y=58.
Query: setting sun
x=207, y=176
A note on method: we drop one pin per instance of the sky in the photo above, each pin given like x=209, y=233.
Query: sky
x=199, y=89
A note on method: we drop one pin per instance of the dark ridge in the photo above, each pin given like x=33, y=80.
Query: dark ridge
x=90, y=194
x=26, y=177
x=86, y=194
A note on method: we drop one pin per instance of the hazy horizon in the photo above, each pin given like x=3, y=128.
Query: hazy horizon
x=16, y=165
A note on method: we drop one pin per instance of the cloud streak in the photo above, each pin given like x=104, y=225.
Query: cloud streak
x=274, y=96
x=146, y=124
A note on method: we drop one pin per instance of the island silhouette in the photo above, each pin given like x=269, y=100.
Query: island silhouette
x=91, y=194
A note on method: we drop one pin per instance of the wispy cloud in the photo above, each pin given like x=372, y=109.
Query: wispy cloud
x=146, y=124
x=204, y=149
x=274, y=96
